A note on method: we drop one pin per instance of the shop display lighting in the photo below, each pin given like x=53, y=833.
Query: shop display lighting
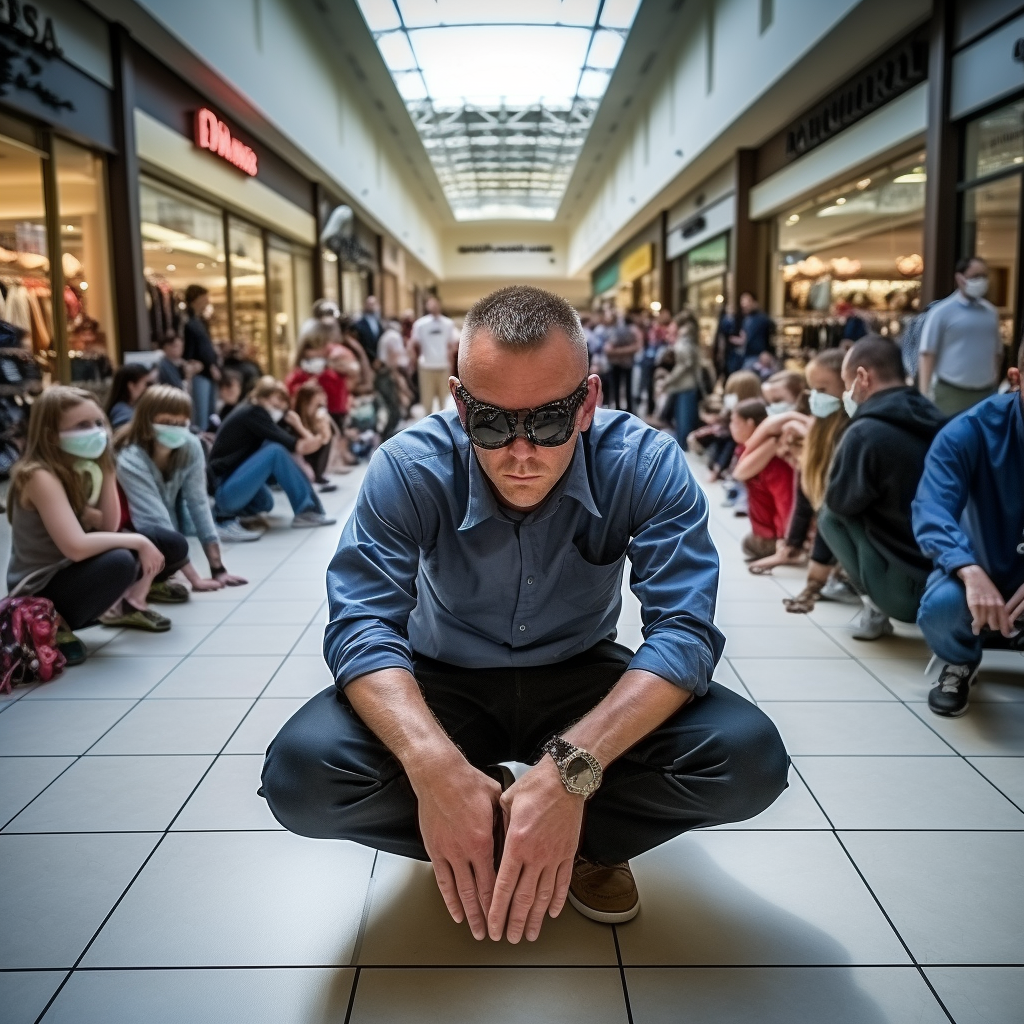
x=913, y=177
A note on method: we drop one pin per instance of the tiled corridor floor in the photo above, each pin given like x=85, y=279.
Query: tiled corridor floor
x=144, y=881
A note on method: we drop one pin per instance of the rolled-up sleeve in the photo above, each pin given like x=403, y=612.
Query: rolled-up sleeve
x=371, y=581
x=674, y=570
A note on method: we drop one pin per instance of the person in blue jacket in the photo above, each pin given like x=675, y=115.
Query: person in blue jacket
x=969, y=519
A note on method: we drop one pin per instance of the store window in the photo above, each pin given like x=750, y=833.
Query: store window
x=183, y=244
x=290, y=278
x=88, y=305
x=991, y=207
x=853, y=248
x=249, y=290
x=329, y=272
x=704, y=271
x=25, y=291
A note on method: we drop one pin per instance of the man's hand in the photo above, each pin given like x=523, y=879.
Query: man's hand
x=543, y=821
x=988, y=609
x=456, y=808
x=1015, y=607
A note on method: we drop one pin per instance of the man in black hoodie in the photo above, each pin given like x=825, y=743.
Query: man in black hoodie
x=866, y=517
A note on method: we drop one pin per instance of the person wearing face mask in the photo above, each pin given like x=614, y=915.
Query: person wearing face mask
x=969, y=519
x=866, y=516
x=252, y=446
x=162, y=472
x=961, y=354
x=199, y=350
x=740, y=386
x=65, y=517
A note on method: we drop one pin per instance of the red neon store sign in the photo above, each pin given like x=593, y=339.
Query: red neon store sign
x=213, y=134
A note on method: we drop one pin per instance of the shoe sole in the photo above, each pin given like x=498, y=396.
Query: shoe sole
x=949, y=714
x=238, y=540
x=878, y=636
x=311, y=526
x=604, y=916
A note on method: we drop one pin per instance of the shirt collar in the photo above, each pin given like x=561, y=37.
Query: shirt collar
x=482, y=504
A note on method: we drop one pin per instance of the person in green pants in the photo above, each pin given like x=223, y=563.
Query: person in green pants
x=878, y=463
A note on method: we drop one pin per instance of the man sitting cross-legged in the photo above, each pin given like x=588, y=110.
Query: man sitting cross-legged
x=473, y=604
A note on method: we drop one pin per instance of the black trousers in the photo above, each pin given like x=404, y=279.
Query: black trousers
x=718, y=759
x=82, y=592
x=621, y=379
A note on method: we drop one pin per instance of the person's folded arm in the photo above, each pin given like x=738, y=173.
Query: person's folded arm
x=752, y=462
x=942, y=497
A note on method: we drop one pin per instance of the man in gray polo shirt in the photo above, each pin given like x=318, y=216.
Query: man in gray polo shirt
x=961, y=351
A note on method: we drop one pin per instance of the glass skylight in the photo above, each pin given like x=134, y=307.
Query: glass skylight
x=502, y=92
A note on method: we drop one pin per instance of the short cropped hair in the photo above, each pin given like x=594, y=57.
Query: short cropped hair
x=752, y=409
x=882, y=355
x=521, y=317
x=962, y=266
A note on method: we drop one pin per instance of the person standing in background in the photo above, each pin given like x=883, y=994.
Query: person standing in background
x=682, y=385
x=961, y=353
x=369, y=327
x=199, y=348
x=620, y=349
x=433, y=342
x=755, y=335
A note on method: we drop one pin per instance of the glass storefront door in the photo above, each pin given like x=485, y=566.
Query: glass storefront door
x=249, y=290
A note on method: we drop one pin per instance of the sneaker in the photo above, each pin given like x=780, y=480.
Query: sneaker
x=149, y=621
x=71, y=647
x=258, y=522
x=606, y=894
x=951, y=693
x=838, y=589
x=231, y=531
x=312, y=518
x=327, y=488
x=872, y=624
x=168, y=592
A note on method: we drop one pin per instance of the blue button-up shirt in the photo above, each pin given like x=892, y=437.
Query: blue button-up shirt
x=430, y=562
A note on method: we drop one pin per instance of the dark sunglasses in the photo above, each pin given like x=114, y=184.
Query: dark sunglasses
x=548, y=425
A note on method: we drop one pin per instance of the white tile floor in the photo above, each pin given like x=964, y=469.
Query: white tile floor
x=145, y=881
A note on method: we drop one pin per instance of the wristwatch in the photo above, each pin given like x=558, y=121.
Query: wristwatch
x=580, y=771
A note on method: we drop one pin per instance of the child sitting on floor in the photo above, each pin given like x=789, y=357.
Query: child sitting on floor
x=769, y=480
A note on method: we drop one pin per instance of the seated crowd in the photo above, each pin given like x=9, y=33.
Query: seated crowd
x=912, y=515
x=103, y=499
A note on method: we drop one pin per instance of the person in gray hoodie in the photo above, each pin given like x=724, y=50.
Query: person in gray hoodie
x=866, y=518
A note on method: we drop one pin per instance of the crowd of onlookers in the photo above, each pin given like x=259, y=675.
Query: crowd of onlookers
x=894, y=471
x=900, y=485
x=103, y=495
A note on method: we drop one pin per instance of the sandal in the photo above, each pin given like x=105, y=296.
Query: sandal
x=136, y=618
x=168, y=592
x=804, y=601
x=73, y=649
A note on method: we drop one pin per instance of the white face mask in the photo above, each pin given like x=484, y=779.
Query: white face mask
x=730, y=402
x=823, y=404
x=314, y=366
x=778, y=408
x=850, y=404
x=976, y=287
x=275, y=413
x=84, y=444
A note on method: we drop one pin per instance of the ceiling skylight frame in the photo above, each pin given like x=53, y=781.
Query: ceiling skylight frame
x=497, y=155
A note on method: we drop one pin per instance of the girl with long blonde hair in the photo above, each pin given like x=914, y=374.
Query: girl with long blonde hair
x=65, y=517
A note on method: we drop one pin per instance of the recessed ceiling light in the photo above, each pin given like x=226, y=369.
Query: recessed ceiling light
x=171, y=266
x=841, y=201
x=863, y=183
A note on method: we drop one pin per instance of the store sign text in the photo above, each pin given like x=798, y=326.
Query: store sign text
x=25, y=22
x=213, y=134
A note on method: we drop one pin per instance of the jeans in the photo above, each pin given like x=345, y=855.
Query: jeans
x=945, y=620
x=245, y=491
x=718, y=759
x=893, y=585
x=203, y=401
x=684, y=404
x=84, y=590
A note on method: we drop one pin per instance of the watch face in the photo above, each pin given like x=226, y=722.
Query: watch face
x=579, y=773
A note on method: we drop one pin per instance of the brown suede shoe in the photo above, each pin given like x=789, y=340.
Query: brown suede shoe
x=757, y=547
x=605, y=894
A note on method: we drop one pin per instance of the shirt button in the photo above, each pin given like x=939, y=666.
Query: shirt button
x=522, y=629
x=529, y=580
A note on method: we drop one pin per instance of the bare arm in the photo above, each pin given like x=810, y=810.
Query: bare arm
x=307, y=441
x=544, y=819
x=45, y=493
x=925, y=369
x=109, y=504
x=751, y=463
x=456, y=802
x=774, y=426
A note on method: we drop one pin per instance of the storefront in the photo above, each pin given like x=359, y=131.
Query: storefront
x=840, y=197
x=631, y=279
x=56, y=132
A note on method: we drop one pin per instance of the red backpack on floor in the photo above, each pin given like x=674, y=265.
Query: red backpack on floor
x=28, y=635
